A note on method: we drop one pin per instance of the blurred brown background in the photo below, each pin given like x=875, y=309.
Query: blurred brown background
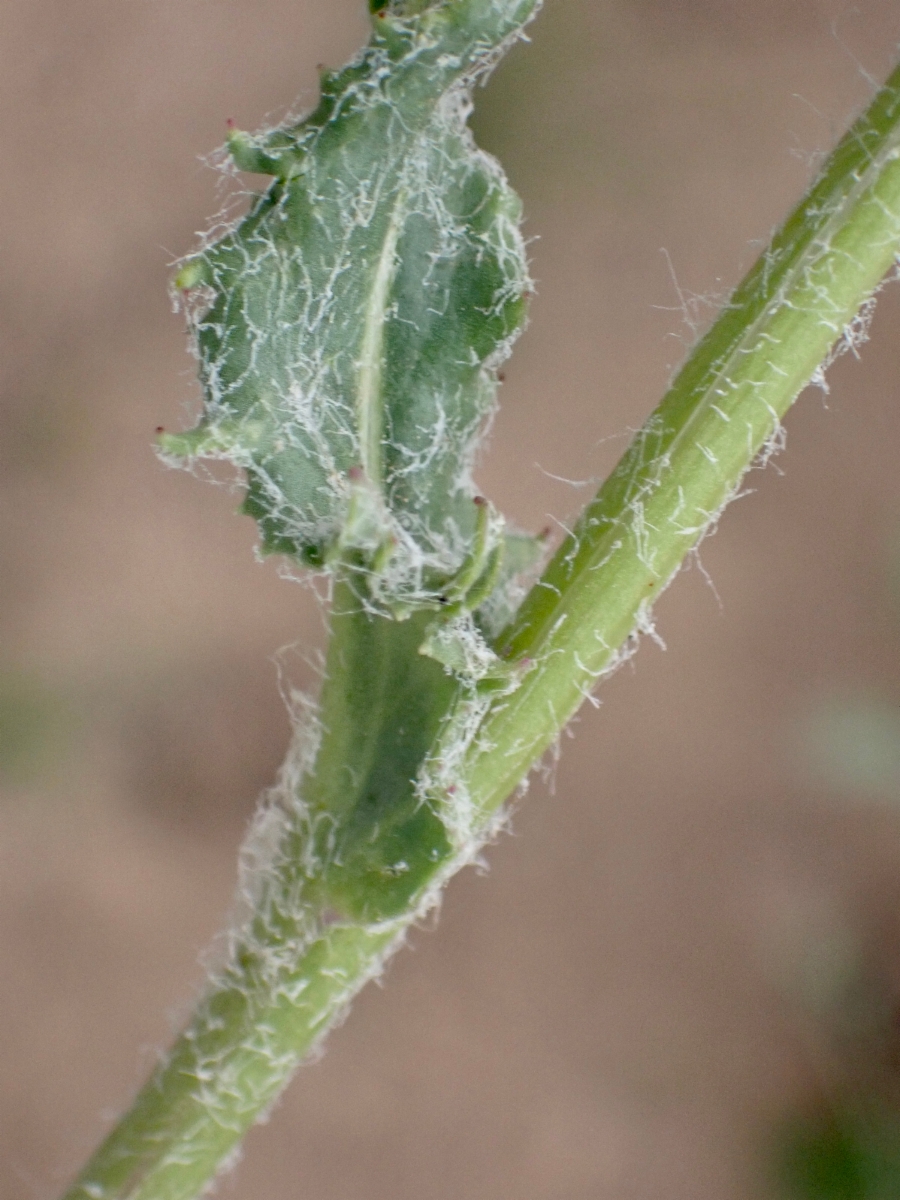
x=694, y=933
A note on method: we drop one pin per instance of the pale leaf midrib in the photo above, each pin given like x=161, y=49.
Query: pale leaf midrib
x=369, y=398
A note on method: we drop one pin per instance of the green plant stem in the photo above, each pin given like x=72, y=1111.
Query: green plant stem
x=297, y=959
x=798, y=301
x=292, y=975
x=228, y=1067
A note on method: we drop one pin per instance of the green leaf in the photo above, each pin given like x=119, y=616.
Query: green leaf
x=371, y=841
x=358, y=314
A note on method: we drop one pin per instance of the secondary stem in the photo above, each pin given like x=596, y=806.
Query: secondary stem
x=801, y=297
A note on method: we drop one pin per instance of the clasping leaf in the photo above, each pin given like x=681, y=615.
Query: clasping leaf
x=358, y=314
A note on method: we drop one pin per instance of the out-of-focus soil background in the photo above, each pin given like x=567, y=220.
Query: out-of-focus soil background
x=692, y=935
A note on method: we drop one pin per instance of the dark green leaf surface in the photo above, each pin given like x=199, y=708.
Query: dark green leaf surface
x=374, y=842
x=358, y=314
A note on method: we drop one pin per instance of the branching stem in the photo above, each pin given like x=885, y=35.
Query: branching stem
x=291, y=975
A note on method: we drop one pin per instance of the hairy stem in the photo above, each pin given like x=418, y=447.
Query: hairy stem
x=800, y=299
x=316, y=938
x=327, y=904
